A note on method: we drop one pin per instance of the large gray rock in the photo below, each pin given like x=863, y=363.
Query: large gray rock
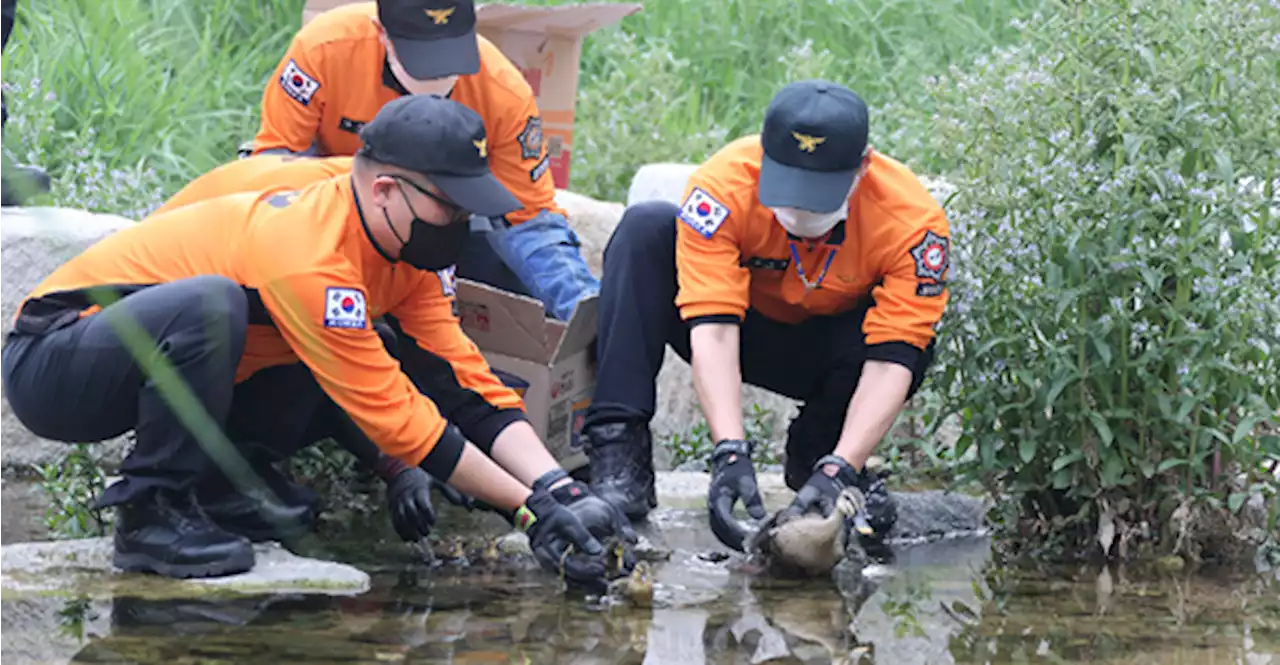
x=84, y=567
x=593, y=221
x=34, y=242
x=663, y=182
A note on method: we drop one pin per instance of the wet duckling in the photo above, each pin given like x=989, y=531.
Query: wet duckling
x=809, y=545
x=638, y=587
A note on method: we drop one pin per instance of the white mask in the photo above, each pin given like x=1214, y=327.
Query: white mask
x=808, y=224
x=440, y=87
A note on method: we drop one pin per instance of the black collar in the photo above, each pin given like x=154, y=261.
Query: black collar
x=368, y=233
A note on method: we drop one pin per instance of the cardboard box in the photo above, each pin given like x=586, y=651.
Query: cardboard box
x=545, y=43
x=547, y=361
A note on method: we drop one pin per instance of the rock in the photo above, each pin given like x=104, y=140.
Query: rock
x=593, y=221
x=934, y=515
x=659, y=182
x=34, y=242
x=84, y=567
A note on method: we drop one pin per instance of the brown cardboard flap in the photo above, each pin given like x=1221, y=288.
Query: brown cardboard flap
x=569, y=20
x=503, y=322
x=580, y=331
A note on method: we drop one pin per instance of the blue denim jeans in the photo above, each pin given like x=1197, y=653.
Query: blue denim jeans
x=540, y=258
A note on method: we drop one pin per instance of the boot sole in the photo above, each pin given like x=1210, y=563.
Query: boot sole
x=142, y=563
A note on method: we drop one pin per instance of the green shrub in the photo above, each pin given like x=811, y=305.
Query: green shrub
x=1113, y=341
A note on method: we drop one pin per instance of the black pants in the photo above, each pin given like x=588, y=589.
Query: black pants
x=80, y=383
x=818, y=361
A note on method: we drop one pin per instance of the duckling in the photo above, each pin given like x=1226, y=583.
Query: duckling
x=809, y=544
x=639, y=585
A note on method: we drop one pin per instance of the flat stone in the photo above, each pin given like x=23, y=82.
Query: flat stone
x=83, y=567
x=660, y=182
x=34, y=242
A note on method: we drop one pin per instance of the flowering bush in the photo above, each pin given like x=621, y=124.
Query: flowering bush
x=1113, y=344
x=78, y=167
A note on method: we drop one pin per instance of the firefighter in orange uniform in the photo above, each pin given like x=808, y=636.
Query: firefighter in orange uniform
x=801, y=261
x=261, y=303
x=349, y=61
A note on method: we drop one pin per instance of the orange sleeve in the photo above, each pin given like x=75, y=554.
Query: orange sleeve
x=913, y=294
x=322, y=314
x=710, y=280
x=448, y=365
x=518, y=151
x=293, y=100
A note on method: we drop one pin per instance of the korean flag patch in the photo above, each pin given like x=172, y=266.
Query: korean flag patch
x=702, y=212
x=344, y=308
x=298, y=84
x=448, y=280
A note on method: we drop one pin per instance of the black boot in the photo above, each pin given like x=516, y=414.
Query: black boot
x=258, y=515
x=168, y=534
x=621, y=455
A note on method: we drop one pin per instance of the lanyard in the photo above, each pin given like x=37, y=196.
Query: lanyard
x=816, y=284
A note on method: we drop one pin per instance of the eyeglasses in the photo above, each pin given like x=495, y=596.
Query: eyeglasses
x=456, y=213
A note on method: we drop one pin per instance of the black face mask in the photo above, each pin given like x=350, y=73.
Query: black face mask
x=432, y=247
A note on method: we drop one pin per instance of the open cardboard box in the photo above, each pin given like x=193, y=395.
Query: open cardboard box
x=545, y=44
x=548, y=362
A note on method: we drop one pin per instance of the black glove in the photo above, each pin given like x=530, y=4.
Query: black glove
x=831, y=475
x=409, y=497
x=732, y=478
x=603, y=520
x=553, y=529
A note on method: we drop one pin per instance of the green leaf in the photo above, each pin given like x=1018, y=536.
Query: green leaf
x=1245, y=428
x=1058, y=386
x=1112, y=470
x=1103, y=349
x=1104, y=430
x=1067, y=460
x=1027, y=449
x=1062, y=479
x=1236, y=501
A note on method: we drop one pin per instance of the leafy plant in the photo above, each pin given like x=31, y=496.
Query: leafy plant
x=695, y=445
x=73, y=485
x=1113, y=342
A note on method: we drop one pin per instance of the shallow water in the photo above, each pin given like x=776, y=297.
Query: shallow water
x=941, y=603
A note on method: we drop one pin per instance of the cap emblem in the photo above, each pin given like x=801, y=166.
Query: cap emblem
x=440, y=16
x=808, y=143
x=482, y=146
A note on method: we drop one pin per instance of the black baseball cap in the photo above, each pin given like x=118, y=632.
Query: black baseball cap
x=815, y=133
x=432, y=38
x=444, y=141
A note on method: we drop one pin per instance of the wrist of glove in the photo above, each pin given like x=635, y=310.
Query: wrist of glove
x=733, y=478
x=831, y=476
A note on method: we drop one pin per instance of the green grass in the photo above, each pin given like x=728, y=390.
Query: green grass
x=124, y=101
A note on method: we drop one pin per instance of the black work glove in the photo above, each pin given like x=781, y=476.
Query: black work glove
x=560, y=541
x=409, y=498
x=831, y=475
x=603, y=520
x=732, y=477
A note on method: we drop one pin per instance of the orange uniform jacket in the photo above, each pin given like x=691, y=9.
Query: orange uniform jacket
x=314, y=282
x=732, y=254
x=335, y=77
x=257, y=173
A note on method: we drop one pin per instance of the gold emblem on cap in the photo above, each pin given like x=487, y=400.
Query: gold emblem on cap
x=808, y=143
x=440, y=16
x=482, y=146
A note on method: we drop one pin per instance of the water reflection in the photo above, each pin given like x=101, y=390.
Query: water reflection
x=944, y=603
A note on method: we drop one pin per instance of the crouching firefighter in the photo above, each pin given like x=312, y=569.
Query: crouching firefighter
x=258, y=306
x=801, y=261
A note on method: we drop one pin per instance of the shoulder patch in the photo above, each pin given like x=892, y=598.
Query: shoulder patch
x=531, y=138
x=448, y=280
x=537, y=171
x=298, y=84
x=932, y=256
x=703, y=212
x=344, y=307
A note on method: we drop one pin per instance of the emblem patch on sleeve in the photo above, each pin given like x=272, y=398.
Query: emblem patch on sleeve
x=932, y=256
x=930, y=289
x=298, y=84
x=702, y=212
x=537, y=171
x=344, y=308
x=531, y=138
x=448, y=280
